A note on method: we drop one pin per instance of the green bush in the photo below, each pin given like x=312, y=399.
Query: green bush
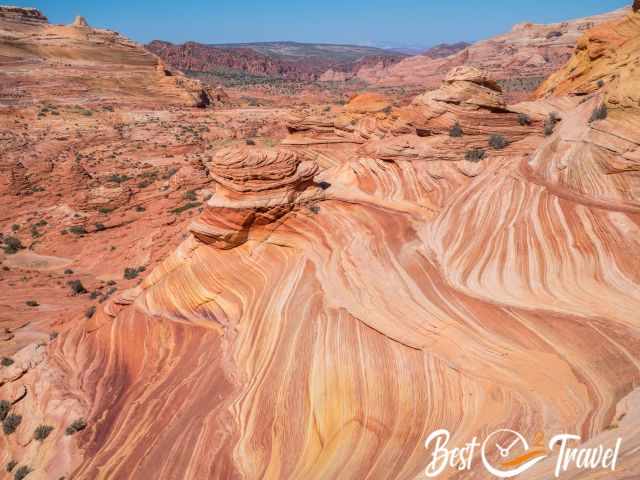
x=132, y=272
x=599, y=113
x=118, y=178
x=186, y=206
x=498, y=142
x=474, y=155
x=12, y=245
x=6, y=362
x=76, y=426
x=76, y=287
x=11, y=423
x=456, y=130
x=77, y=230
x=42, y=432
x=5, y=406
x=524, y=120
x=22, y=472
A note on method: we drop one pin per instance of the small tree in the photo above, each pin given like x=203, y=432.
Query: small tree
x=456, y=130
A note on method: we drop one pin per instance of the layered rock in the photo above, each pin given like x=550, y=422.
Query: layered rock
x=40, y=62
x=364, y=283
x=521, y=59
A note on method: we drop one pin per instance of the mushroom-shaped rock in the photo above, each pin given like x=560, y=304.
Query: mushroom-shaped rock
x=256, y=188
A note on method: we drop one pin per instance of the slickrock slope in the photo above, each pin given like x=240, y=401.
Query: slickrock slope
x=521, y=58
x=43, y=61
x=368, y=280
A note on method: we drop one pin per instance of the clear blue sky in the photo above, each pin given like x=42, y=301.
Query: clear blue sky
x=421, y=22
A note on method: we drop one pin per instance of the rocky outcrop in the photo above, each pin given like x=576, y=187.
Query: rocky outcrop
x=80, y=22
x=22, y=15
x=317, y=64
x=123, y=71
x=521, y=58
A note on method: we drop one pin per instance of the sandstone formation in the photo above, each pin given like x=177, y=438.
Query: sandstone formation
x=314, y=306
x=521, y=58
x=40, y=60
x=288, y=60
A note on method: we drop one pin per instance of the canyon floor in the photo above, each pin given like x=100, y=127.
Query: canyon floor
x=198, y=286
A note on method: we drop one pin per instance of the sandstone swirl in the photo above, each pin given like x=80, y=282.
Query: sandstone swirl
x=348, y=292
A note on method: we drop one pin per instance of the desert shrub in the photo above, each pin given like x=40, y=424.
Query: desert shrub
x=15, y=227
x=599, y=113
x=77, y=229
x=100, y=227
x=76, y=426
x=133, y=272
x=22, y=472
x=474, y=155
x=32, y=303
x=456, y=130
x=5, y=406
x=186, y=206
x=498, y=142
x=314, y=209
x=12, y=245
x=386, y=110
x=42, y=432
x=554, y=34
x=600, y=83
x=105, y=210
x=6, y=361
x=170, y=173
x=68, y=271
x=250, y=142
x=191, y=195
x=118, y=178
x=11, y=465
x=76, y=287
x=524, y=120
x=11, y=423
x=140, y=208
x=550, y=123
x=324, y=185
x=90, y=312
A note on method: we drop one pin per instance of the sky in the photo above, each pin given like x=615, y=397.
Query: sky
x=393, y=23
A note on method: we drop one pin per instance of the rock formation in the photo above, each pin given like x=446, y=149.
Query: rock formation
x=520, y=58
x=48, y=61
x=384, y=271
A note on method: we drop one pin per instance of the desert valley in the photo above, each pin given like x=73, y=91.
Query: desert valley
x=297, y=261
